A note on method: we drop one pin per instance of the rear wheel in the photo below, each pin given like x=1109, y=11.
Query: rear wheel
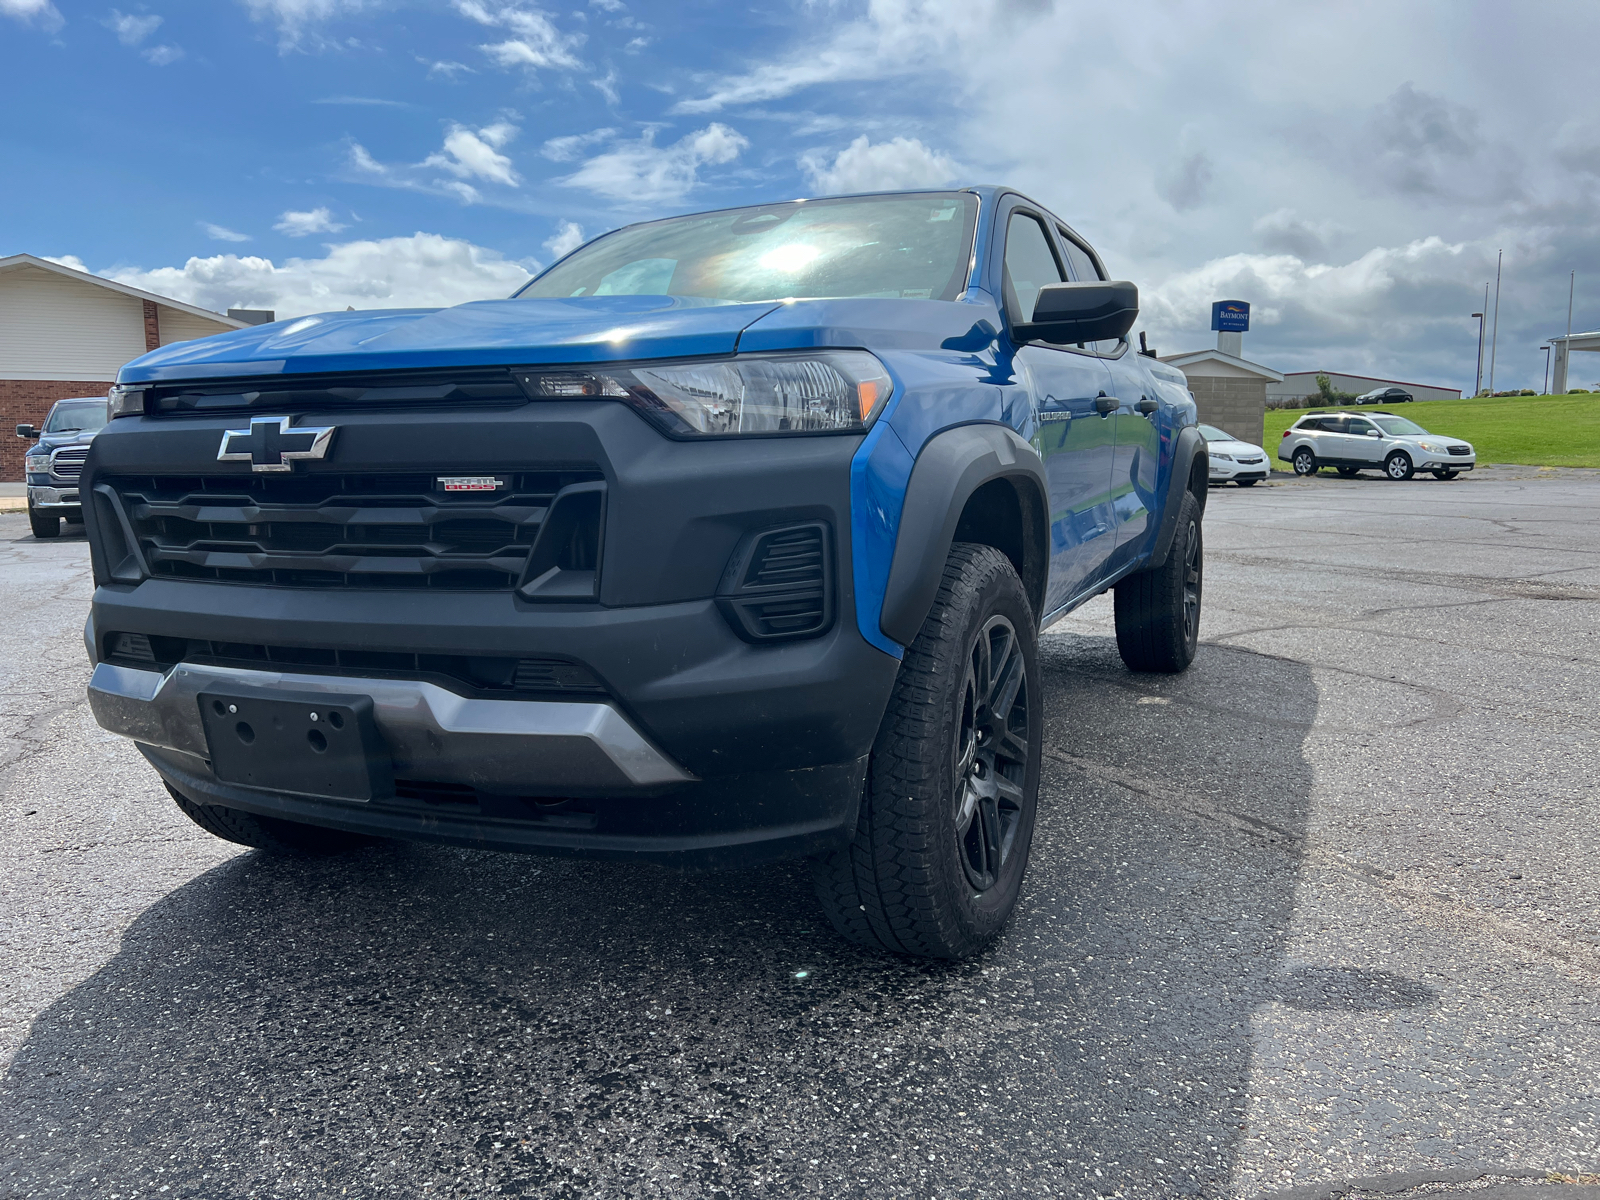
x=1305, y=462
x=1349, y=472
x=947, y=817
x=1158, y=612
x=1445, y=474
x=44, y=526
x=266, y=833
x=1398, y=465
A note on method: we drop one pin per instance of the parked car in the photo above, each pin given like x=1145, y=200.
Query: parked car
x=53, y=466
x=1384, y=395
x=1353, y=442
x=1232, y=460
x=655, y=560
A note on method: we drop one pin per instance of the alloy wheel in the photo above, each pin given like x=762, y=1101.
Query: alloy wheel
x=1192, y=564
x=991, y=753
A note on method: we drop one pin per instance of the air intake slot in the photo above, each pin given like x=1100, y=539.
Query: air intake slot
x=779, y=584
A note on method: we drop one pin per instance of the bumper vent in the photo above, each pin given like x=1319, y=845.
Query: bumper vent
x=494, y=676
x=779, y=584
x=390, y=531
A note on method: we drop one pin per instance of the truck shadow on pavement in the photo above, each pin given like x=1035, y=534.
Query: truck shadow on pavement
x=419, y=1021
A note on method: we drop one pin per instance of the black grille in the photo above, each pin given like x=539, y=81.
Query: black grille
x=1460, y=451
x=483, y=674
x=779, y=584
x=370, y=531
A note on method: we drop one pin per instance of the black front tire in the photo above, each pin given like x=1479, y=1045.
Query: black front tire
x=1445, y=474
x=267, y=833
x=1158, y=611
x=1305, y=462
x=1247, y=482
x=947, y=817
x=44, y=525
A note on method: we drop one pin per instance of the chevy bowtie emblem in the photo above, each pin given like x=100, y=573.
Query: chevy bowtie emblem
x=272, y=444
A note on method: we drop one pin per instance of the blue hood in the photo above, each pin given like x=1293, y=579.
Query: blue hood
x=487, y=333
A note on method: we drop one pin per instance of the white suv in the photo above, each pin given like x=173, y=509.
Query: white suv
x=1351, y=442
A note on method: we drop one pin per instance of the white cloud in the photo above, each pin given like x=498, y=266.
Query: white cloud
x=301, y=224
x=131, y=30
x=569, y=236
x=162, y=55
x=424, y=270
x=565, y=149
x=535, y=42
x=221, y=233
x=296, y=19
x=894, y=37
x=608, y=5
x=466, y=154
x=31, y=11
x=448, y=70
x=864, y=167
x=640, y=172
x=476, y=155
x=607, y=87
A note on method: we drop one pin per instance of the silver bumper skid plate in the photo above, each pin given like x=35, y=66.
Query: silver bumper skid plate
x=504, y=746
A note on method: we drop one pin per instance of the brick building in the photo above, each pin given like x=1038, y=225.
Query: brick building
x=1231, y=392
x=67, y=333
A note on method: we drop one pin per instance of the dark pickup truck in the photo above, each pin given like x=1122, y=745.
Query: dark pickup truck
x=728, y=538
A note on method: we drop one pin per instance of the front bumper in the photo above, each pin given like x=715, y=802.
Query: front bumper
x=1228, y=472
x=1446, y=462
x=58, y=500
x=629, y=800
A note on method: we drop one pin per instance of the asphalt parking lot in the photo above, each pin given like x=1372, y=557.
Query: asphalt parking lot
x=1325, y=908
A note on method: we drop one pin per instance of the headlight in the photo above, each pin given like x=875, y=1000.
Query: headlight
x=1223, y=457
x=126, y=401
x=1431, y=448
x=37, y=465
x=831, y=391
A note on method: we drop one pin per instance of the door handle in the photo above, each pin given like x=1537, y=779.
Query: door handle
x=1146, y=405
x=1105, y=405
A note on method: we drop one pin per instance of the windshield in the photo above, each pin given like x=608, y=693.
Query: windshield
x=76, y=416
x=1398, y=426
x=911, y=247
x=1212, y=434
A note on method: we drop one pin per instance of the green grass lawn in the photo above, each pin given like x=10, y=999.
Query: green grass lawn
x=1544, y=431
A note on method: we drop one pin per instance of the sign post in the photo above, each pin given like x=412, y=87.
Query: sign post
x=1231, y=320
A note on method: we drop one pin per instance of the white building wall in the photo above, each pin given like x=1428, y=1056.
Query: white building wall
x=52, y=327
x=178, y=326
x=60, y=328
x=1304, y=383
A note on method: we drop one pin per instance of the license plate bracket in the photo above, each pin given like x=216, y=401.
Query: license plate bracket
x=309, y=743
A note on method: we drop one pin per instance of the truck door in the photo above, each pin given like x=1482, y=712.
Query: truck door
x=1074, y=436
x=1136, y=454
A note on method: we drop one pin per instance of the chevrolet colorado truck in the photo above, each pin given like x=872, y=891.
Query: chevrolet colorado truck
x=728, y=538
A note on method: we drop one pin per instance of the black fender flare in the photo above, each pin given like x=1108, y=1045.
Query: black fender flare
x=951, y=467
x=1190, y=446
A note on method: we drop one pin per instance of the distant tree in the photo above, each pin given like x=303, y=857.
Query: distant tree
x=1330, y=394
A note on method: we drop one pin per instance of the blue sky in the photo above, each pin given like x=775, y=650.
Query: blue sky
x=1351, y=170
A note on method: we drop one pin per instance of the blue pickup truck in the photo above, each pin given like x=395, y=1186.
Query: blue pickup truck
x=728, y=538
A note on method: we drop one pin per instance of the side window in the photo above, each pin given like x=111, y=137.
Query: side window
x=1334, y=424
x=1360, y=428
x=1030, y=264
x=1079, y=259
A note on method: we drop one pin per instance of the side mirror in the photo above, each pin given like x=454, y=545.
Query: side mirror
x=1081, y=312
x=27, y=431
x=1373, y=433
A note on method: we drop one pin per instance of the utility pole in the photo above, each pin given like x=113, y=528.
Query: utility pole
x=1477, y=384
x=1494, y=332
